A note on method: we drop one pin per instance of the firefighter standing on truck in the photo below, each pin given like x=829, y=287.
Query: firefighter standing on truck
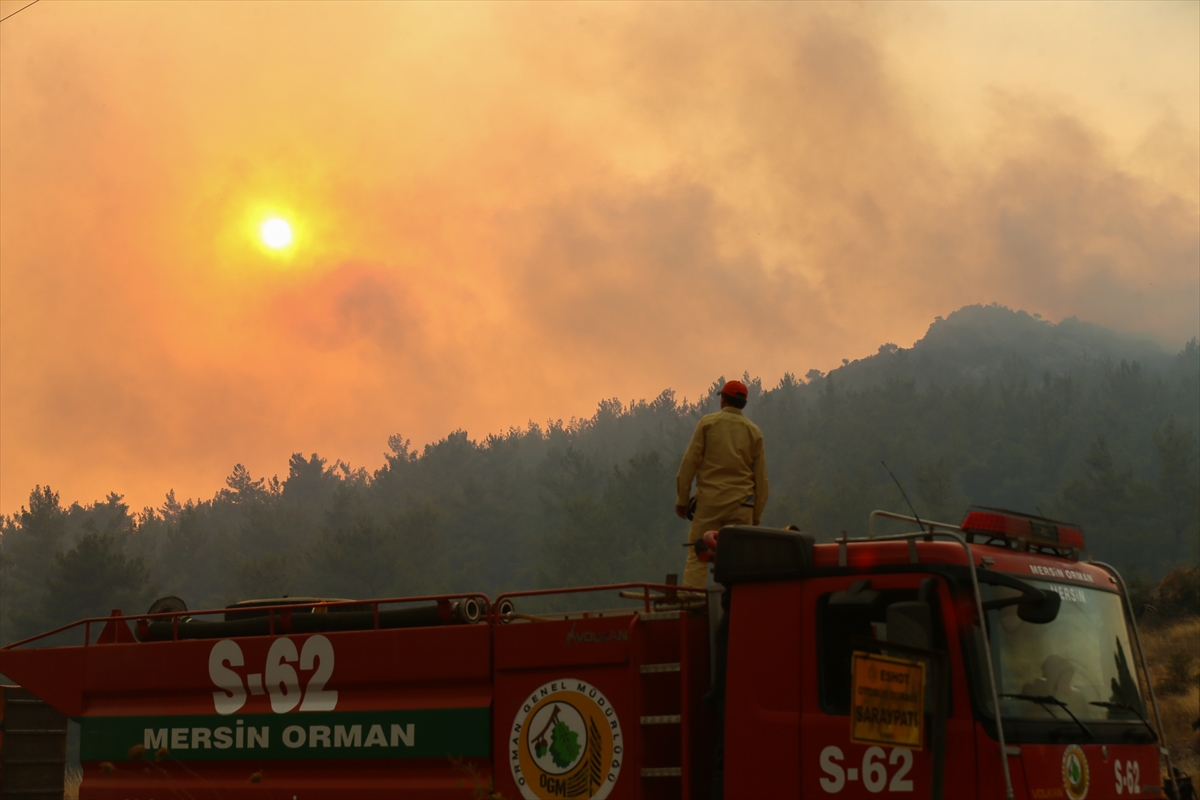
x=726, y=459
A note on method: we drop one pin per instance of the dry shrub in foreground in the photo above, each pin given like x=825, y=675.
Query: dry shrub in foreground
x=1179, y=593
x=1173, y=653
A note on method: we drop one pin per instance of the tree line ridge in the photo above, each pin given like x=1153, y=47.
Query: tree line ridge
x=992, y=407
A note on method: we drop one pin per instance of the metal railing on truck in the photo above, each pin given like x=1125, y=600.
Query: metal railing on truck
x=283, y=614
x=280, y=618
x=644, y=593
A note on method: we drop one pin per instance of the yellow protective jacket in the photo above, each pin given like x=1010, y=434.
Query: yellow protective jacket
x=726, y=459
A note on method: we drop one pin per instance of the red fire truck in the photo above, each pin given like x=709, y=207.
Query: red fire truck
x=981, y=660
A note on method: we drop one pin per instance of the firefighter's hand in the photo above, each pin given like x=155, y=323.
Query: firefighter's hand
x=681, y=512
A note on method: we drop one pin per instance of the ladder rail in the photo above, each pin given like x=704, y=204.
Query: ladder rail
x=633, y=734
x=685, y=709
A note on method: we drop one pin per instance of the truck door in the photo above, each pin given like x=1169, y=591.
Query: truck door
x=845, y=614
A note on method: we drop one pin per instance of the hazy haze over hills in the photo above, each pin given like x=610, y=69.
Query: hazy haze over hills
x=504, y=211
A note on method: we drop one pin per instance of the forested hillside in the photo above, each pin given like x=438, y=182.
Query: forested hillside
x=991, y=407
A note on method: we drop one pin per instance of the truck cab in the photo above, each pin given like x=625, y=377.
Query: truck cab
x=1022, y=626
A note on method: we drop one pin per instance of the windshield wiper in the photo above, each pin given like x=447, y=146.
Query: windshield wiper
x=1044, y=700
x=1127, y=707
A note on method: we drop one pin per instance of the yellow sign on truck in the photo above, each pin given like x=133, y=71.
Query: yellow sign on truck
x=887, y=701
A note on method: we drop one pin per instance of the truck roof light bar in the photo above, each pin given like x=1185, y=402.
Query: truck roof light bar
x=1023, y=531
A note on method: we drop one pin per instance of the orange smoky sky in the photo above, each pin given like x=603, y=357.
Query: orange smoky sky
x=506, y=212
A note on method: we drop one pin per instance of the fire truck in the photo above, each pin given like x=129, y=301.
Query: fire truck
x=981, y=660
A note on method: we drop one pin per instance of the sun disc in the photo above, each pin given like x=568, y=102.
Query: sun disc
x=276, y=233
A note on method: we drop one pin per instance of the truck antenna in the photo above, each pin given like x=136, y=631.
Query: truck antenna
x=916, y=516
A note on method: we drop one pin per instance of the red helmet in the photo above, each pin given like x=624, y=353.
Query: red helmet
x=735, y=389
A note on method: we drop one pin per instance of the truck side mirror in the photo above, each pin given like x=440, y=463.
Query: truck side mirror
x=910, y=624
x=1039, y=611
x=1035, y=605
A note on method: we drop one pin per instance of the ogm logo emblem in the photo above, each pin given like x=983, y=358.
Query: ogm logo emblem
x=566, y=743
x=1075, y=772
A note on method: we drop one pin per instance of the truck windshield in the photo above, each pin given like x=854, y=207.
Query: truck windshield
x=1082, y=657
